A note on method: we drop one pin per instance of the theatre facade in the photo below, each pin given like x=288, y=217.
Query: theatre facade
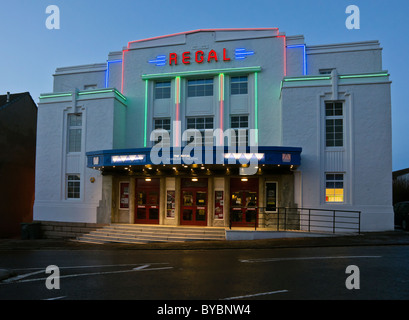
x=221, y=128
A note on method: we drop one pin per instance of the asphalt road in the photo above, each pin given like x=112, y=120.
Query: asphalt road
x=315, y=273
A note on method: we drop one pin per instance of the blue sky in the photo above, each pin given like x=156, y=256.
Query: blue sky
x=90, y=29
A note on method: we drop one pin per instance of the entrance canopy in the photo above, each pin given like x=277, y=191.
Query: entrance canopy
x=107, y=160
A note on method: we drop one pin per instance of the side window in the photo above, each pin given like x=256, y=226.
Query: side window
x=73, y=186
x=74, y=132
x=334, y=187
x=334, y=124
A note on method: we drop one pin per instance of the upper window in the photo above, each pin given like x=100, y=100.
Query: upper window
x=334, y=124
x=162, y=90
x=239, y=85
x=74, y=132
x=200, y=87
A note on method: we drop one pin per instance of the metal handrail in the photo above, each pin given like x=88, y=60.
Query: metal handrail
x=308, y=219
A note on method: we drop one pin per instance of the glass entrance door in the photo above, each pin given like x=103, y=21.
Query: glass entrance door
x=243, y=205
x=147, y=201
x=194, y=202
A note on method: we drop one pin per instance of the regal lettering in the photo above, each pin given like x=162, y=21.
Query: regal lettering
x=199, y=57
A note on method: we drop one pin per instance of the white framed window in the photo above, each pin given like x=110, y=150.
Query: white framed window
x=74, y=132
x=200, y=87
x=73, y=186
x=334, y=187
x=162, y=89
x=202, y=124
x=162, y=124
x=240, y=124
x=239, y=85
x=334, y=124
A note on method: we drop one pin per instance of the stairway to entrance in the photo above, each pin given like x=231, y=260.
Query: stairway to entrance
x=136, y=233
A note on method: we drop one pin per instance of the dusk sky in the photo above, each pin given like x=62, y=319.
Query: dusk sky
x=90, y=29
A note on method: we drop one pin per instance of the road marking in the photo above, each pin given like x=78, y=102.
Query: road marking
x=94, y=266
x=22, y=276
x=144, y=267
x=305, y=258
x=56, y=298
x=255, y=295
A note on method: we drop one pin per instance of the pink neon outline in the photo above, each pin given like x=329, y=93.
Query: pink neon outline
x=202, y=30
x=177, y=108
x=221, y=106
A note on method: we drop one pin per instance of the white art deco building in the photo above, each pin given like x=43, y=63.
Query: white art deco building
x=122, y=141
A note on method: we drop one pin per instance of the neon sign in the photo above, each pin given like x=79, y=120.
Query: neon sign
x=199, y=56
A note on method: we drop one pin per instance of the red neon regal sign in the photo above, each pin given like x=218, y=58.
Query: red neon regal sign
x=199, y=57
x=188, y=57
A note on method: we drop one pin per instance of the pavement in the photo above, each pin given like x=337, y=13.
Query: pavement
x=397, y=237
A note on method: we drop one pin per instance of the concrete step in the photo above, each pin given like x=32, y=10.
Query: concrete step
x=127, y=233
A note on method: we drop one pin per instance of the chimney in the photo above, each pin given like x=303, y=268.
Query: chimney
x=8, y=97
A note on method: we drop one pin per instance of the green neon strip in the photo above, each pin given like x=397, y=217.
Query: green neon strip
x=102, y=91
x=307, y=79
x=146, y=114
x=120, y=94
x=256, y=104
x=364, y=75
x=200, y=72
x=221, y=87
x=177, y=90
x=94, y=91
x=56, y=95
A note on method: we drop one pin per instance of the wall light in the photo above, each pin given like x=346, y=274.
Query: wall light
x=244, y=179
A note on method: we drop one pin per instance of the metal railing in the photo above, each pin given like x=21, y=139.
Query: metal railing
x=304, y=219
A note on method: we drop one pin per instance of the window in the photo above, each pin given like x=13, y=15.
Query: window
x=200, y=88
x=325, y=71
x=240, y=122
x=334, y=124
x=163, y=124
x=201, y=124
x=90, y=86
x=238, y=85
x=73, y=186
x=124, y=195
x=271, y=196
x=334, y=187
x=74, y=132
x=162, y=90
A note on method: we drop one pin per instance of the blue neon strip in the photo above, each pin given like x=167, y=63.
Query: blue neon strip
x=304, y=56
x=107, y=71
x=242, y=53
x=159, y=60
